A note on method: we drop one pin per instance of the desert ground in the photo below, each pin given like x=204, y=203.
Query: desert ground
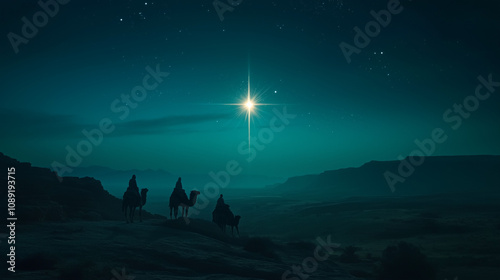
x=459, y=234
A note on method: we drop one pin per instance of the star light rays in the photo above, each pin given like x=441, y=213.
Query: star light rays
x=249, y=106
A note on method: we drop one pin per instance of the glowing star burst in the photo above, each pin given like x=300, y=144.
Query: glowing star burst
x=249, y=105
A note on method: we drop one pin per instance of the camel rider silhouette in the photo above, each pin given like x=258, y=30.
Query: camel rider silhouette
x=132, y=187
x=220, y=201
x=178, y=185
x=221, y=205
x=178, y=190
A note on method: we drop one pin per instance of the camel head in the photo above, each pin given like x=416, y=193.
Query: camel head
x=143, y=195
x=192, y=197
x=194, y=193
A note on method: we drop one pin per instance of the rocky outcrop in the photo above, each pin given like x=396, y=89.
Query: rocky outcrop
x=42, y=196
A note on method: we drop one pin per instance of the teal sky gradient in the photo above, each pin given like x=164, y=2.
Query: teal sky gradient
x=395, y=91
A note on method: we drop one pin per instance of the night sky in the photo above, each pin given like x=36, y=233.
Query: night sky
x=76, y=72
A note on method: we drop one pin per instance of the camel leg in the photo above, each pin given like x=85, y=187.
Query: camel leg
x=132, y=211
x=140, y=214
x=237, y=230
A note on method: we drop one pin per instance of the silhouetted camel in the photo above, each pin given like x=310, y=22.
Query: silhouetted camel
x=224, y=217
x=181, y=199
x=234, y=224
x=131, y=201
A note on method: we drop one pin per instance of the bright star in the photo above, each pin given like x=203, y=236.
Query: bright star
x=249, y=105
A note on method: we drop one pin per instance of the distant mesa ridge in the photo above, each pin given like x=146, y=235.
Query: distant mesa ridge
x=440, y=174
x=45, y=198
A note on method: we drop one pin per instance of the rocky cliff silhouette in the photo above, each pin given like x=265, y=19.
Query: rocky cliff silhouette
x=41, y=196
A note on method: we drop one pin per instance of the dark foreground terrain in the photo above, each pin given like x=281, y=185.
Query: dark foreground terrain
x=154, y=249
x=460, y=239
x=459, y=233
x=74, y=229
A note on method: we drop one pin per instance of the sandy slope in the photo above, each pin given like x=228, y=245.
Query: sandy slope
x=154, y=249
x=460, y=233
